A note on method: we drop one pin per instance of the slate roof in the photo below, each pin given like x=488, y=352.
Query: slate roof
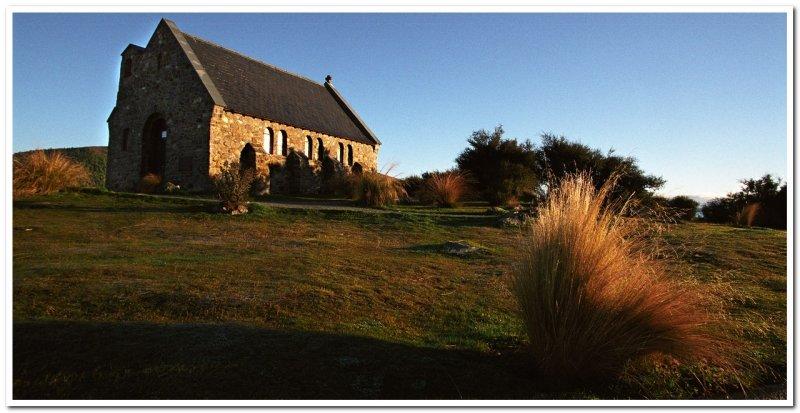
x=254, y=88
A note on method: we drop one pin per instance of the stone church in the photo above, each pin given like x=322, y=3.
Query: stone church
x=185, y=106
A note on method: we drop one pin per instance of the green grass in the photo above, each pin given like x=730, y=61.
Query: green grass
x=466, y=208
x=132, y=297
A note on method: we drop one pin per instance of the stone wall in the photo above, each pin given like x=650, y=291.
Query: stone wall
x=230, y=132
x=161, y=83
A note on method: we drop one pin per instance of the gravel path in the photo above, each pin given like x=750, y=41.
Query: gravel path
x=318, y=206
x=279, y=204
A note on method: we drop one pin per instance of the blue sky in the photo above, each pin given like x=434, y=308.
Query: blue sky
x=699, y=99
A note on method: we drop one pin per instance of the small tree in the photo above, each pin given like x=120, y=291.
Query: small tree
x=562, y=157
x=502, y=169
x=719, y=210
x=233, y=187
x=683, y=207
x=767, y=192
x=413, y=185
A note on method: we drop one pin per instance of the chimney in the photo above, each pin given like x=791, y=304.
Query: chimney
x=329, y=79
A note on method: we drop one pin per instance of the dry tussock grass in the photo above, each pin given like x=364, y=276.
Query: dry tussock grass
x=232, y=186
x=446, y=188
x=592, y=296
x=378, y=189
x=748, y=216
x=149, y=183
x=39, y=173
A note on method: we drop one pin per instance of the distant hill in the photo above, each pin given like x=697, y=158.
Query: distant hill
x=93, y=157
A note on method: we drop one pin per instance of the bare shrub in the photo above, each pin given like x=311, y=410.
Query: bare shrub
x=446, y=188
x=41, y=173
x=377, y=189
x=233, y=187
x=592, y=296
x=149, y=183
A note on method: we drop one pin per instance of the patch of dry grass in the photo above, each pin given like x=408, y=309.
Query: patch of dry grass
x=748, y=215
x=378, y=189
x=233, y=187
x=149, y=183
x=446, y=188
x=39, y=173
x=593, y=298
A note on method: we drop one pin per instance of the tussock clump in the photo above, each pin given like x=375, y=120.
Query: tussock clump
x=446, y=188
x=378, y=189
x=592, y=298
x=149, y=183
x=39, y=173
x=233, y=187
x=749, y=215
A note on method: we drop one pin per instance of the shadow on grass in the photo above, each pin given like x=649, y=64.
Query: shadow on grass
x=82, y=360
x=441, y=248
x=311, y=201
x=116, y=207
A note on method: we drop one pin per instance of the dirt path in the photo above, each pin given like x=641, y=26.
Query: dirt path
x=321, y=205
x=318, y=205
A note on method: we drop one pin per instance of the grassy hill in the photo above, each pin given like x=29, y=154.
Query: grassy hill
x=93, y=157
x=118, y=296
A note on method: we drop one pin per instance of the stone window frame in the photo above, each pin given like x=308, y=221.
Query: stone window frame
x=269, y=141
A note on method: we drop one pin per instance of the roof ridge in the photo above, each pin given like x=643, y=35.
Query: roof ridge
x=253, y=59
x=351, y=112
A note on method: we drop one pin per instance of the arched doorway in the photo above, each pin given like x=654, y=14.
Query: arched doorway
x=154, y=145
x=247, y=159
x=357, y=168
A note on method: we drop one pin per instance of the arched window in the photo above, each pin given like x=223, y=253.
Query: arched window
x=320, y=149
x=283, y=143
x=125, y=134
x=309, y=147
x=340, y=153
x=268, y=143
x=350, y=155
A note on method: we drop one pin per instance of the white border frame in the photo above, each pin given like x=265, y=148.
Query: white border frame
x=416, y=6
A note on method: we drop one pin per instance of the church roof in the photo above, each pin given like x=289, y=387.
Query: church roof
x=250, y=87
